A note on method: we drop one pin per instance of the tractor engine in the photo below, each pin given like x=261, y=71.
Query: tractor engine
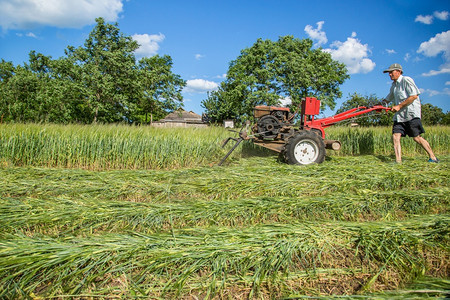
x=273, y=122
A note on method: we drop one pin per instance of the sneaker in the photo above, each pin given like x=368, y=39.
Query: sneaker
x=434, y=160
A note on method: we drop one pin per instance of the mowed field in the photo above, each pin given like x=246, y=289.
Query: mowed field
x=136, y=212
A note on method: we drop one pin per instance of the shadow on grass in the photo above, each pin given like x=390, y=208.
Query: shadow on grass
x=386, y=158
x=249, y=150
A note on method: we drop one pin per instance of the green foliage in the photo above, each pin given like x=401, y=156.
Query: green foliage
x=433, y=115
x=446, y=119
x=108, y=72
x=19, y=95
x=269, y=71
x=97, y=82
x=373, y=119
x=161, y=88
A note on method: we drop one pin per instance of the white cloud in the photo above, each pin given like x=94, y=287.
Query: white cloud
x=447, y=83
x=24, y=14
x=441, y=15
x=428, y=19
x=199, y=56
x=407, y=57
x=32, y=35
x=391, y=51
x=437, y=44
x=431, y=93
x=285, y=101
x=442, y=70
x=200, y=86
x=424, y=19
x=440, y=43
x=353, y=54
x=317, y=34
x=148, y=44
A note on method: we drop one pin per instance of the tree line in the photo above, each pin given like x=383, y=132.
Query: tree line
x=101, y=81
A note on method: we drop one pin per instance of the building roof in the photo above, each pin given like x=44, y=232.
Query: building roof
x=182, y=116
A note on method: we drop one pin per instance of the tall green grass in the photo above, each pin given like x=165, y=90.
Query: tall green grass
x=108, y=146
x=378, y=141
x=129, y=147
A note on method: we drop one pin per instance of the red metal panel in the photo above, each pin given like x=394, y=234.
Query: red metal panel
x=310, y=106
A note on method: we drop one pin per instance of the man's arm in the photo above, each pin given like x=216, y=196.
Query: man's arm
x=405, y=102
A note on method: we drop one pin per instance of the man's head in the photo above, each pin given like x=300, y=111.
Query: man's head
x=395, y=70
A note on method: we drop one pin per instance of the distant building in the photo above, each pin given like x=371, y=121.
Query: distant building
x=181, y=118
x=228, y=123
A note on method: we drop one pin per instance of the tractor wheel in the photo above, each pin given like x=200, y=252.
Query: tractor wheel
x=304, y=148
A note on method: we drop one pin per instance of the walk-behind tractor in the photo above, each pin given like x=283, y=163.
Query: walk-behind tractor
x=303, y=144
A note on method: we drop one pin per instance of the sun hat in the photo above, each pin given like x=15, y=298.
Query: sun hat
x=394, y=67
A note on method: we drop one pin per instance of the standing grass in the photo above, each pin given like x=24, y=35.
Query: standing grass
x=378, y=141
x=108, y=146
x=101, y=147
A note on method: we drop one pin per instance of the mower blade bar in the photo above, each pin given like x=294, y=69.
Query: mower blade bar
x=238, y=141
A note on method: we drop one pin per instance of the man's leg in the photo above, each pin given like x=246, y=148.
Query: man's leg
x=396, y=137
x=425, y=145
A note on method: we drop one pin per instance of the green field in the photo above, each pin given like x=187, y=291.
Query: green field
x=130, y=212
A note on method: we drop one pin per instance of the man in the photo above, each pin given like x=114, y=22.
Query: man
x=405, y=96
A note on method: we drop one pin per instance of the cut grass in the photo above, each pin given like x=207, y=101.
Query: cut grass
x=257, y=228
x=249, y=257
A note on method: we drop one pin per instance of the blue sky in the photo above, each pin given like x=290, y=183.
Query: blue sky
x=203, y=37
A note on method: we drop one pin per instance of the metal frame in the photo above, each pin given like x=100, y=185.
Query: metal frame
x=310, y=108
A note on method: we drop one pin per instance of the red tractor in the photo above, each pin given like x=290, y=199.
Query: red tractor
x=301, y=145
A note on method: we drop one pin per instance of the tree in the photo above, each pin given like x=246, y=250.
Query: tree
x=99, y=81
x=161, y=89
x=269, y=71
x=432, y=115
x=19, y=95
x=51, y=103
x=7, y=71
x=68, y=93
x=26, y=91
x=446, y=119
x=371, y=119
x=37, y=92
x=108, y=72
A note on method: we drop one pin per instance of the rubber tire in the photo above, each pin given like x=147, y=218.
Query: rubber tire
x=310, y=144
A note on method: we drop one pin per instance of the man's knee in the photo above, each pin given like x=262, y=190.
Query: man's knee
x=418, y=139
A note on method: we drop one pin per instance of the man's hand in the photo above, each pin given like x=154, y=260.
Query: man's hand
x=396, y=108
x=406, y=102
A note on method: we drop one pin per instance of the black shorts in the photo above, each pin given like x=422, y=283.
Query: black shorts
x=411, y=128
